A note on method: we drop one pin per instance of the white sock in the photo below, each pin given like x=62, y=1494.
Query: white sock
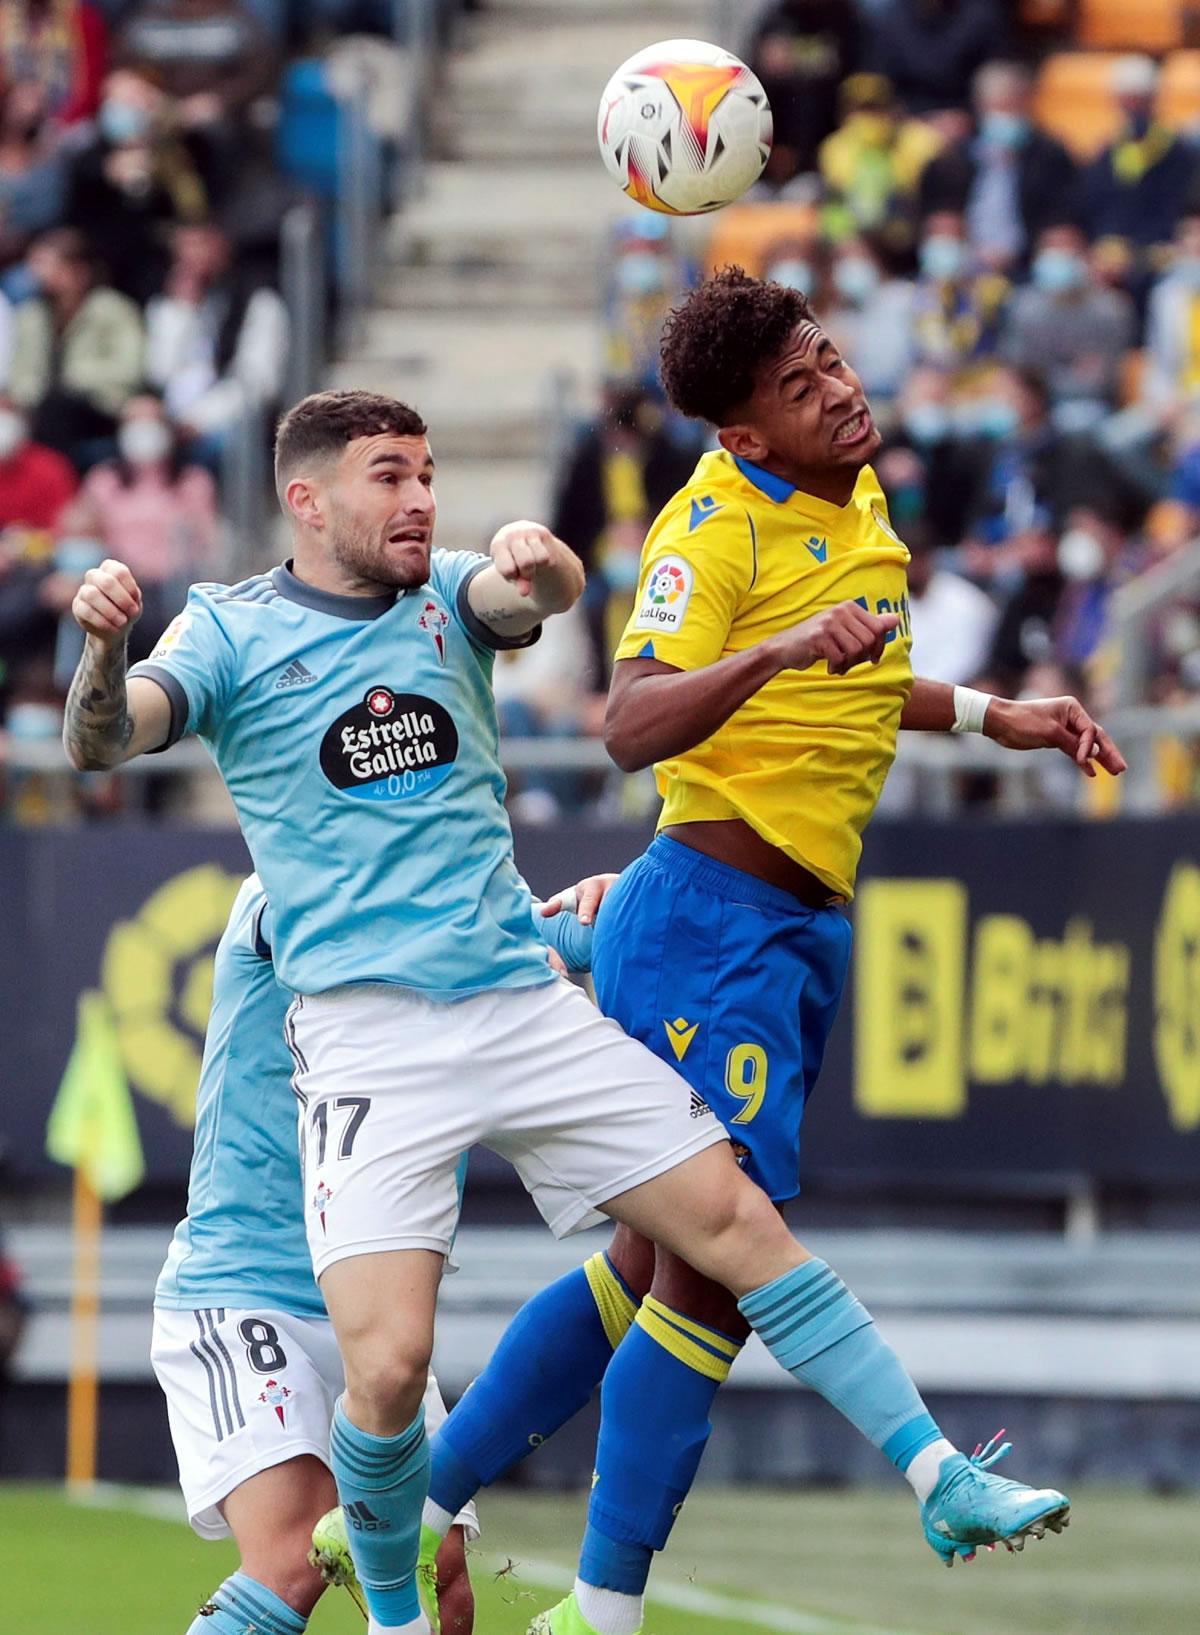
x=434, y=1516
x=922, y=1474
x=608, y=1612
x=419, y=1626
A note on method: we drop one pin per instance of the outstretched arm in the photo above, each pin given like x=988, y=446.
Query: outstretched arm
x=106, y=720
x=1037, y=723
x=533, y=575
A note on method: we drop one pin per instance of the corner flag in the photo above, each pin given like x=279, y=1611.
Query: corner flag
x=92, y=1125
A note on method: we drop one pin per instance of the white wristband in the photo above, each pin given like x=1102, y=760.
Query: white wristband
x=970, y=707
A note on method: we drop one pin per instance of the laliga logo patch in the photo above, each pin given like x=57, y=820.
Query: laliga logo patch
x=321, y=1201
x=276, y=1396
x=665, y=599
x=435, y=621
x=390, y=747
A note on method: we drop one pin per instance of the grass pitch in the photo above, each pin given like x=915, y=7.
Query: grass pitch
x=742, y=1561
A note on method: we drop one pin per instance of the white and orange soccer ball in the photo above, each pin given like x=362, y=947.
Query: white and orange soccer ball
x=684, y=127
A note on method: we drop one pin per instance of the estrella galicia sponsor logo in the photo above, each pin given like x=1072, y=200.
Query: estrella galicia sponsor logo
x=390, y=747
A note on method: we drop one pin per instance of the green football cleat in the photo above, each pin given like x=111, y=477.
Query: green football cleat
x=330, y=1555
x=970, y=1507
x=564, y=1619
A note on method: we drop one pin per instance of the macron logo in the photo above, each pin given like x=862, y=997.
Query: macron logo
x=296, y=675
x=818, y=547
x=702, y=509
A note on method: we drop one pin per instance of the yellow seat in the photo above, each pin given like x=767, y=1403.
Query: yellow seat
x=743, y=234
x=1179, y=90
x=1130, y=25
x=1073, y=100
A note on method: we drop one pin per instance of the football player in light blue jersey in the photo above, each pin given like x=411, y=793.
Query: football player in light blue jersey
x=346, y=699
x=242, y=1343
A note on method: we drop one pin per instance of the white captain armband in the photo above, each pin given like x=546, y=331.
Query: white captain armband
x=970, y=708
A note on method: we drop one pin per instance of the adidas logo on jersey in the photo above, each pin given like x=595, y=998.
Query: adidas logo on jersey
x=700, y=1108
x=296, y=675
x=364, y=1519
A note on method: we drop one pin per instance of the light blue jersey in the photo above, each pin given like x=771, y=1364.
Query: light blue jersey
x=357, y=737
x=242, y=1242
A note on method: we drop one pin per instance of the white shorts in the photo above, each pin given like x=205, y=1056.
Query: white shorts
x=394, y=1088
x=247, y=1390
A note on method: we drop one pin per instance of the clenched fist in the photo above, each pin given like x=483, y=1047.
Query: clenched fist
x=108, y=603
x=844, y=636
x=519, y=549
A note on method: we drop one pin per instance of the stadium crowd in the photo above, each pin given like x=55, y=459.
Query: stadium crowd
x=1006, y=246
x=1021, y=300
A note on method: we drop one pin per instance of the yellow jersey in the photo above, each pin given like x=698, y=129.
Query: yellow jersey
x=739, y=555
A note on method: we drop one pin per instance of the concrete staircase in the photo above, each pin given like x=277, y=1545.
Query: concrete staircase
x=490, y=282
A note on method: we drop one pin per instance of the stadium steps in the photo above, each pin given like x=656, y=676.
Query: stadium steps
x=487, y=292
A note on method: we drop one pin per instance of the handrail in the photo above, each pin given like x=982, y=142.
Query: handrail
x=1135, y=604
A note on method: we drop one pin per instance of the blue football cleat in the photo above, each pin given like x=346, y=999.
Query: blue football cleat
x=970, y=1507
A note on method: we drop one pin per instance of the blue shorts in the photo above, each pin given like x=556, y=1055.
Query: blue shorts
x=733, y=983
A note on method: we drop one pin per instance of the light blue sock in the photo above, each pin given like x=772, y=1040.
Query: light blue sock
x=243, y=1606
x=382, y=1482
x=815, y=1328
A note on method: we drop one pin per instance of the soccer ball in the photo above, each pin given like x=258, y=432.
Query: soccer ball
x=684, y=127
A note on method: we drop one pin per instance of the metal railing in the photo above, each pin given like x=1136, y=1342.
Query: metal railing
x=928, y=777
x=1134, y=606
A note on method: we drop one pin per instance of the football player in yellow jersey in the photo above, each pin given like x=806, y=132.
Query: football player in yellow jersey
x=765, y=673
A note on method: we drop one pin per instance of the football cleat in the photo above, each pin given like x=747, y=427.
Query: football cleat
x=970, y=1508
x=564, y=1619
x=330, y=1555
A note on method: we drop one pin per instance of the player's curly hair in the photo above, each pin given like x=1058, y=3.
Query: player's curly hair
x=714, y=344
x=319, y=427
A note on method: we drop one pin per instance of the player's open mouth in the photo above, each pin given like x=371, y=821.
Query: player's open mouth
x=410, y=536
x=853, y=430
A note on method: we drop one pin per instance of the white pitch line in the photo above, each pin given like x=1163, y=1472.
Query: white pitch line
x=690, y=1598
x=164, y=1505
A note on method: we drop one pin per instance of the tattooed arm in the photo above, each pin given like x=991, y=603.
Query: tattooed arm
x=106, y=721
x=532, y=575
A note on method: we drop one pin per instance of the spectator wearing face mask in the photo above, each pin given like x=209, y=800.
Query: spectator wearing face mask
x=150, y=508
x=77, y=349
x=926, y=426
x=1138, y=186
x=872, y=164
x=133, y=183
x=800, y=264
x=1075, y=331
x=1096, y=554
x=1172, y=373
x=645, y=280
x=870, y=318
x=211, y=57
x=1009, y=180
x=957, y=311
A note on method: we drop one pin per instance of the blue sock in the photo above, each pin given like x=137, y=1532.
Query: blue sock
x=242, y=1606
x=654, y=1427
x=549, y=1361
x=815, y=1328
x=382, y=1482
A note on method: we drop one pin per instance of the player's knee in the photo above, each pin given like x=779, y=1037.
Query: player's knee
x=286, y=1570
x=748, y=1233
x=386, y=1378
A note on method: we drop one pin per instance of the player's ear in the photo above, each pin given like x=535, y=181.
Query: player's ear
x=743, y=442
x=303, y=503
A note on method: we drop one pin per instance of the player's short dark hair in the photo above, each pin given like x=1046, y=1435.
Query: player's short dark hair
x=714, y=345
x=319, y=427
